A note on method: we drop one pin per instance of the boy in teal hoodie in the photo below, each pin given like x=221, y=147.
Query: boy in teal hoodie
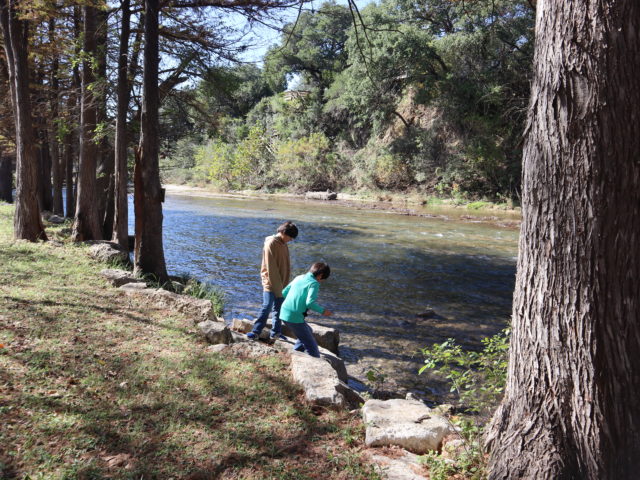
x=300, y=296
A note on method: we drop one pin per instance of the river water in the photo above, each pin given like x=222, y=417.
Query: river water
x=386, y=269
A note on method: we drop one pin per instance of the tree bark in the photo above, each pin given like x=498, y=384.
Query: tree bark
x=121, y=214
x=71, y=137
x=6, y=179
x=87, y=224
x=27, y=224
x=56, y=165
x=571, y=408
x=149, y=253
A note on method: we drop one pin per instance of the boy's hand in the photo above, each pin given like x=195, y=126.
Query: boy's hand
x=327, y=313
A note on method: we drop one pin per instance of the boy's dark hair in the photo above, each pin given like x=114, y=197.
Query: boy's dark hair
x=289, y=229
x=320, y=268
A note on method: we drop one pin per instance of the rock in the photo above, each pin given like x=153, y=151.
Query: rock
x=328, y=195
x=117, y=277
x=318, y=379
x=405, y=466
x=109, y=252
x=335, y=361
x=444, y=410
x=428, y=313
x=198, y=309
x=137, y=289
x=55, y=219
x=327, y=337
x=242, y=325
x=409, y=424
x=215, y=332
x=453, y=448
x=219, y=348
x=353, y=398
x=251, y=349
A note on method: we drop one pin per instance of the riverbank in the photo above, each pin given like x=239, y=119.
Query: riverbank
x=96, y=385
x=499, y=214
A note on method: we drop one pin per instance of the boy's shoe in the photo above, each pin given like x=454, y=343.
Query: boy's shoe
x=252, y=336
x=277, y=336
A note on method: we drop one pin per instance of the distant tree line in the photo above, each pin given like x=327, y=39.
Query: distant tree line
x=81, y=85
x=428, y=96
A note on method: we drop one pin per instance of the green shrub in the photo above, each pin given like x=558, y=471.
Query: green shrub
x=307, y=163
x=479, y=379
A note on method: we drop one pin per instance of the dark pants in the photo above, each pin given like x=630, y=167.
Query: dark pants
x=306, y=340
x=269, y=302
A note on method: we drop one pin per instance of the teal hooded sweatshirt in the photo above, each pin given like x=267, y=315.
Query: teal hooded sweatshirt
x=300, y=295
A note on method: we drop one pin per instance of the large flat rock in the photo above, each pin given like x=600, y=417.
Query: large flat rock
x=327, y=337
x=403, y=466
x=109, y=252
x=118, y=277
x=215, y=332
x=318, y=379
x=409, y=424
x=198, y=309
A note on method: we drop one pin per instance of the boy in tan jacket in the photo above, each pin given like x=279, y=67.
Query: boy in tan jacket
x=275, y=272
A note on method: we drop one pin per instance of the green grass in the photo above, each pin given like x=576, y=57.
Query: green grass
x=94, y=384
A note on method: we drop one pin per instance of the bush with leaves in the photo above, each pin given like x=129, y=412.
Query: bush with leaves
x=479, y=379
x=307, y=163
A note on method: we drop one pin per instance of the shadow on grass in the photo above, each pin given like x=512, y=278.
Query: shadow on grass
x=200, y=415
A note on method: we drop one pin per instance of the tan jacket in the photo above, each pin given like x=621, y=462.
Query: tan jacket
x=276, y=268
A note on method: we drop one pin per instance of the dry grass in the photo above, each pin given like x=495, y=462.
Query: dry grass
x=94, y=385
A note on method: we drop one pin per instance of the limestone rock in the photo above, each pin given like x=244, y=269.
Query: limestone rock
x=400, y=467
x=251, y=349
x=327, y=337
x=241, y=325
x=215, y=332
x=335, y=361
x=55, y=219
x=318, y=379
x=219, y=348
x=328, y=195
x=137, y=289
x=409, y=424
x=109, y=252
x=198, y=309
x=117, y=277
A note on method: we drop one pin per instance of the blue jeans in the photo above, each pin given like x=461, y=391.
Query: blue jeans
x=269, y=302
x=306, y=340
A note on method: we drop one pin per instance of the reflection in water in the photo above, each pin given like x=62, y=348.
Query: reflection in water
x=386, y=268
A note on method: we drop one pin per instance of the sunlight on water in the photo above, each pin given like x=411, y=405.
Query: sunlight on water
x=386, y=268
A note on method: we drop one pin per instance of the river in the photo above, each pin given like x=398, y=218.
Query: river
x=386, y=269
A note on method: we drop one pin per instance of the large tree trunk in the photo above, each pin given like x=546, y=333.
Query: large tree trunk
x=56, y=166
x=121, y=214
x=72, y=132
x=571, y=408
x=149, y=253
x=104, y=181
x=27, y=224
x=6, y=179
x=87, y=224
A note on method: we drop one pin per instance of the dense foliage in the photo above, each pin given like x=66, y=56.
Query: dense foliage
x=428, y=96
